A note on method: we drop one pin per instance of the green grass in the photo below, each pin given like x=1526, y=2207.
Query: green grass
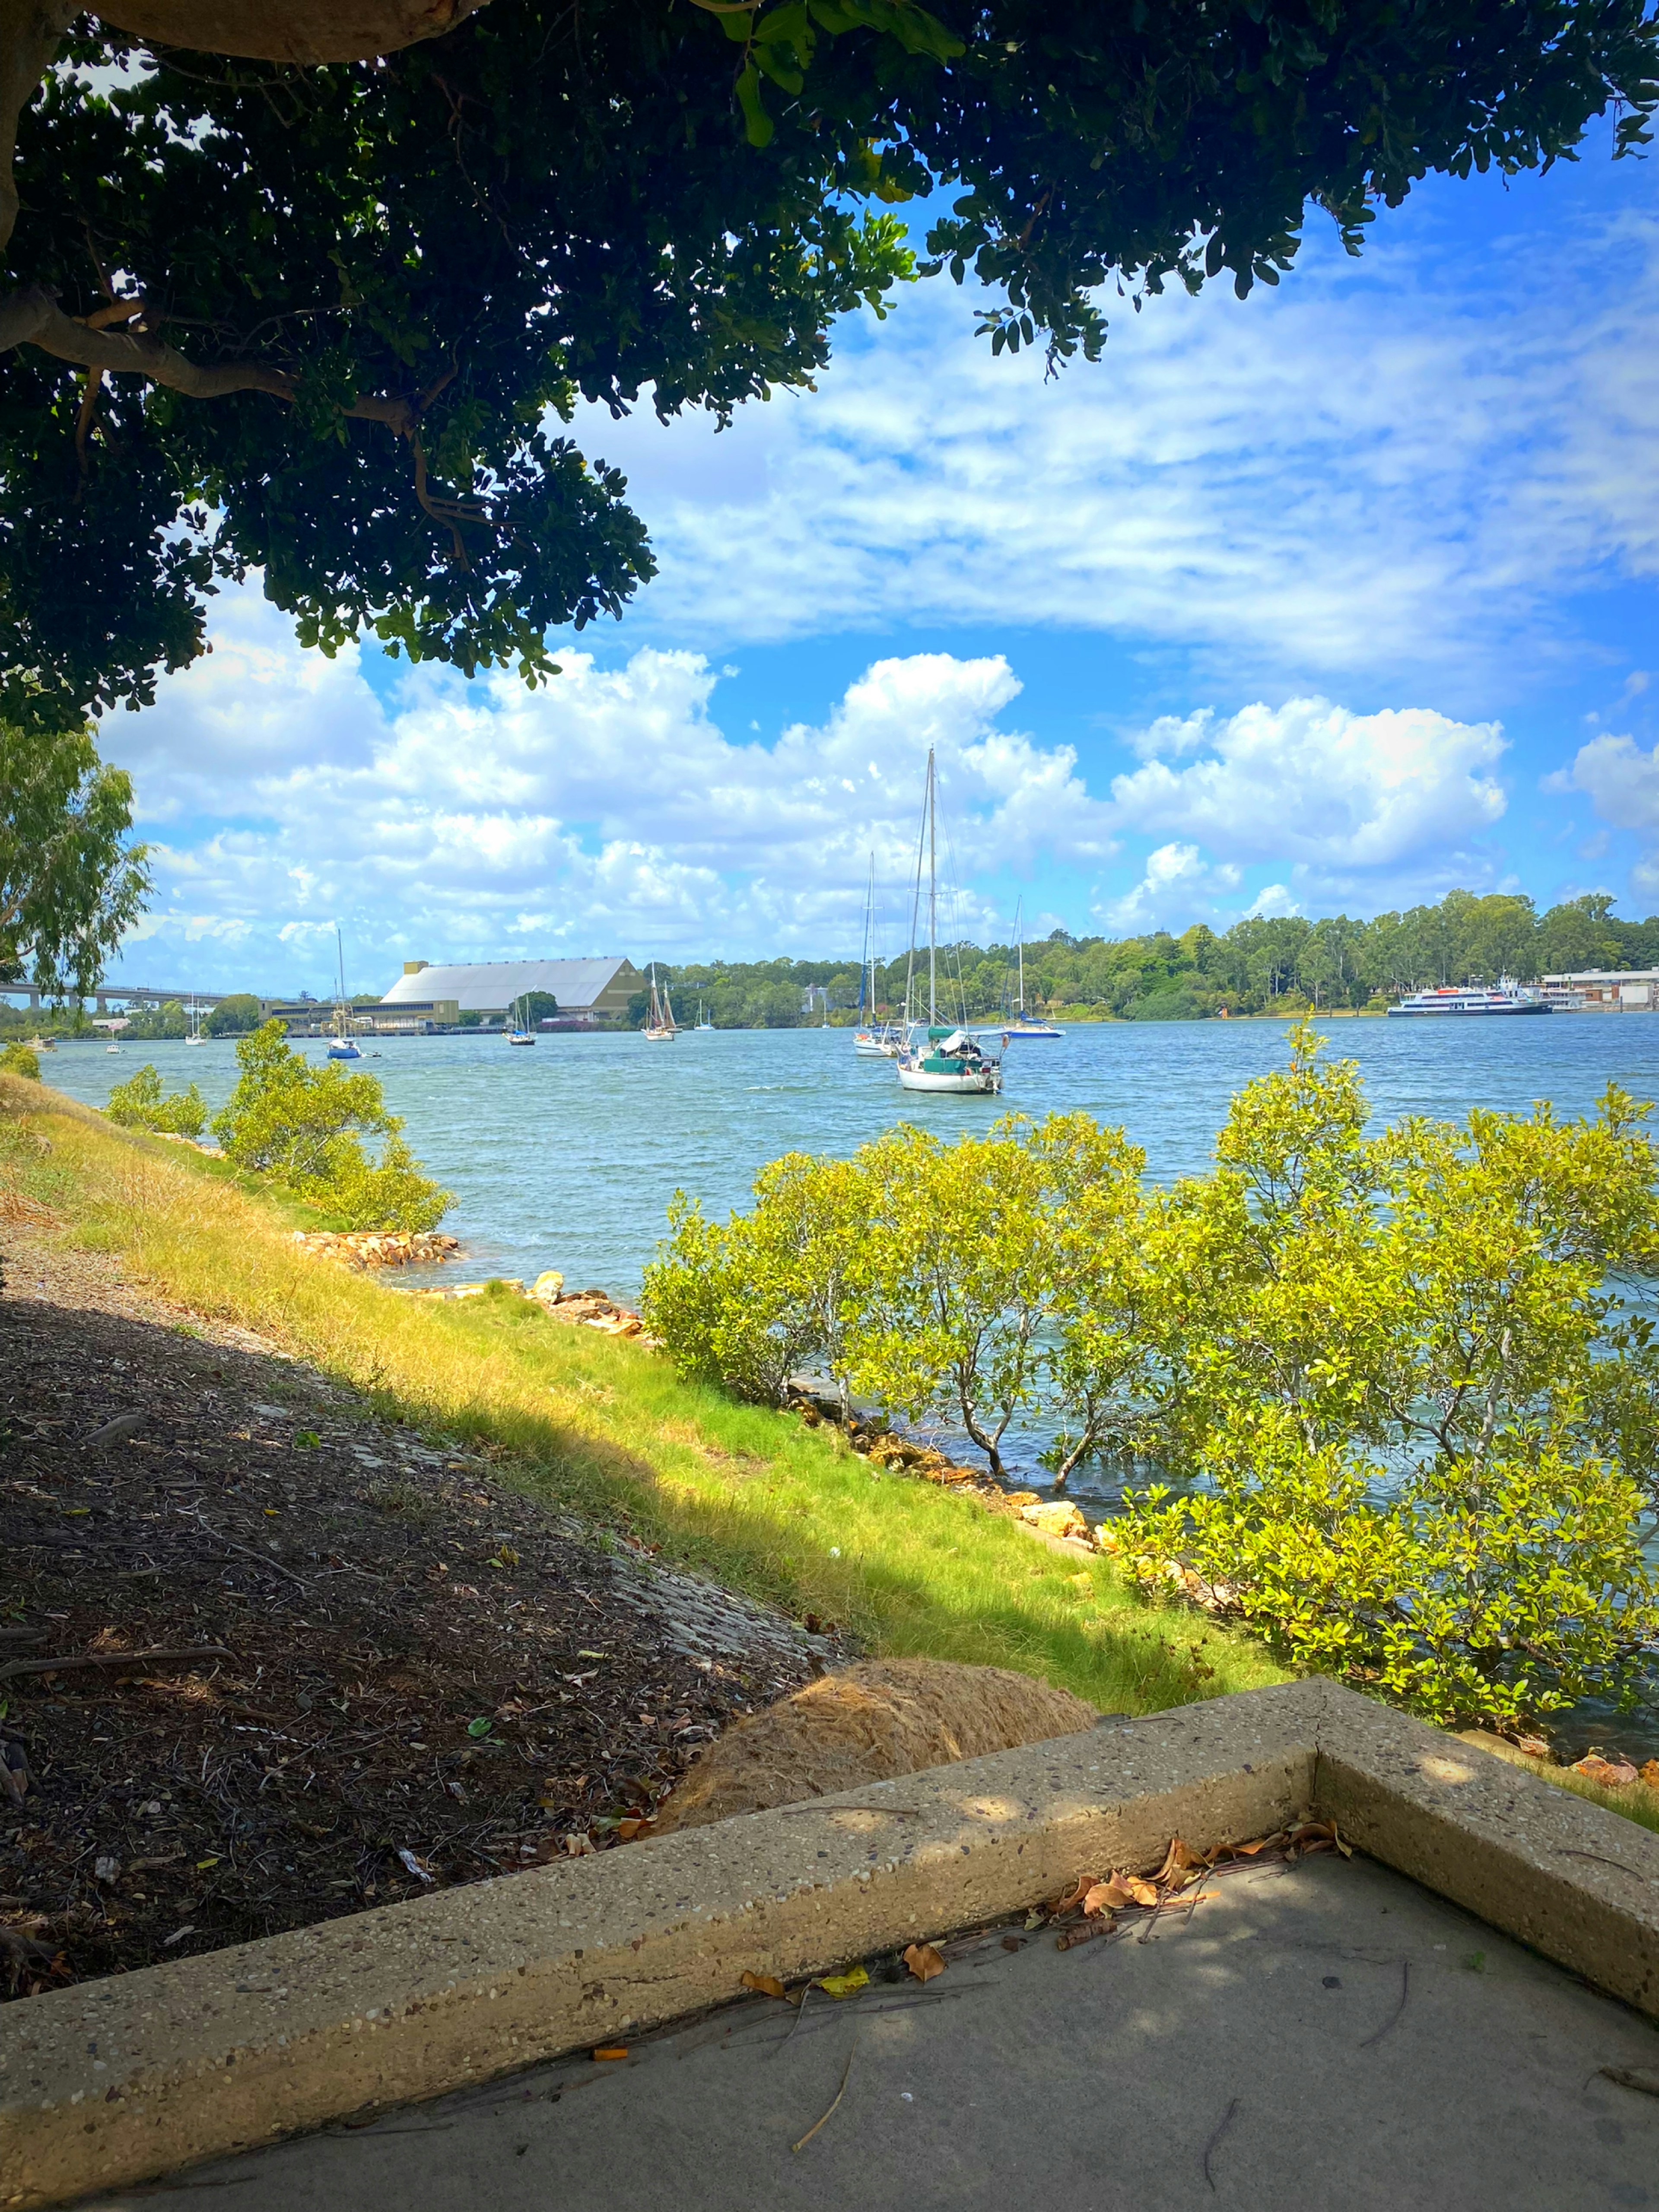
x=598, y=1425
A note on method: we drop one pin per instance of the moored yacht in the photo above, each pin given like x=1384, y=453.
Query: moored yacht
x=945, y=1057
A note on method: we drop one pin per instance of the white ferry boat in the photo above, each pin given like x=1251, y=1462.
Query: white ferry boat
x=1502, y=998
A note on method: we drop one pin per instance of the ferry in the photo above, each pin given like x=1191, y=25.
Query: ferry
x=1502, y=998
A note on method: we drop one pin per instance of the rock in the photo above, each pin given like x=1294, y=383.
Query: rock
x=1019, y=1499
x=1611, y=1774
x=548, y=1285
x=1059, y=1517
x=869, y=1722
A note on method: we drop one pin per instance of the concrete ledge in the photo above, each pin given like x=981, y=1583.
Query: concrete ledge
x=119, y=2081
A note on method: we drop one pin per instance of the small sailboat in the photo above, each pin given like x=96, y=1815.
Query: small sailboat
x=341, y=1045
x=947, y=1058
x=1022, y=1024
x=521, y=1032
x=659, y=1025
x=703, y=1022
x=872, y=1040
x=193, y=1015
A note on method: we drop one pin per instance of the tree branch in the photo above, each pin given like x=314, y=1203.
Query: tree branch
x=35, y=318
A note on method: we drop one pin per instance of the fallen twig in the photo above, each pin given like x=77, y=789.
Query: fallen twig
x=1393, y=2017
x=1627, y=2078
x=840, y=2094
x=127, y=1659
x=247, y=1551
x=1210, y=2148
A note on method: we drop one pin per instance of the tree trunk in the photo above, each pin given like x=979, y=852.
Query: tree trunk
x=30, y=31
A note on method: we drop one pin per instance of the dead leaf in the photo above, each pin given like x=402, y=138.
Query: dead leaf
x=1261, y=1843
x=1180, y=1861
x=1107, y=1896
x=611, y=2051
x=845, y=1985
x=1074, y=1897
x=1034, y=1918
x=767, y=1985
x=924, y=1961
x=629, y=1828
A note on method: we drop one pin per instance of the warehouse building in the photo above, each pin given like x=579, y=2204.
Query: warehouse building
x=1604, y=991
x=588, y=991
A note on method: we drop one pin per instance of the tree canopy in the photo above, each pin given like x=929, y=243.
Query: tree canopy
x=330, y=323
x=71, y=884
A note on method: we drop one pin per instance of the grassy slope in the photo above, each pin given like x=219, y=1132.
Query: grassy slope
x=752, y=1496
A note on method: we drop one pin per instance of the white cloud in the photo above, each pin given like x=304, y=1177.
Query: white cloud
x=1407, y=464
x=607, y=809
x=1620, y=780
x=1273, y=902
x=1335, y=793
x=1179, y=887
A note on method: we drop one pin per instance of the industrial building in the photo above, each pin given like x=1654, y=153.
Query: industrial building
x=588, y=991
x=1604, y=991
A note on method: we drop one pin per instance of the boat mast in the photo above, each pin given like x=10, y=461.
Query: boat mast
x=916, y=905
x=1019, y=933
x=932, y=892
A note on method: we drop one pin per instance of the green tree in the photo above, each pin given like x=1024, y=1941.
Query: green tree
x=18, y=1060
x=140, y=1104
x=1382, y=1362
x=71, y=884
x=234, y=1016
x=304, y=1125
x=314, y=320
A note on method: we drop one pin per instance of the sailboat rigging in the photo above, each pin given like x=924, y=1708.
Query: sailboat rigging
x=872, y=1039
x=341, y=1044
x=660, y=1024
x=521, y=1032
x=1022, y=1024
x=946, y=1059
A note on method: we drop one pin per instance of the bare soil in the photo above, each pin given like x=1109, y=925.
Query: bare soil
x=428, y=1678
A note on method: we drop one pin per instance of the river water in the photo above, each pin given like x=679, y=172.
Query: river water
x=565, y=1155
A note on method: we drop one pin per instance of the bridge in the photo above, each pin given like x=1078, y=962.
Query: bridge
x=126, y=994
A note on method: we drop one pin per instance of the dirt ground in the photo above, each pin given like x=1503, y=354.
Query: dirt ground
x=401, y=1674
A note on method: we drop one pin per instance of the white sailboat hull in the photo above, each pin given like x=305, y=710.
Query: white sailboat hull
x=983, y=1082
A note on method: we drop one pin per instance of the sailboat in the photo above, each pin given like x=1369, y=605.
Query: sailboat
x=341, y=1045
x=521, y=1032
x=872, y=1040
x=1024, y=1024
x=703, y=1022
x=659, y=1025
x=193, y=1014
x=946, y=1059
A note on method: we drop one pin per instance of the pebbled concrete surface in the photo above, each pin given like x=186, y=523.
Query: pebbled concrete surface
x=1332, y=2035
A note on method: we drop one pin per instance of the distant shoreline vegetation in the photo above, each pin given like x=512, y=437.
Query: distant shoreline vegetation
x=1278, y=965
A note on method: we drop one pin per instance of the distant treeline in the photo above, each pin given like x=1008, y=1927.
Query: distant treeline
x=1279, y=965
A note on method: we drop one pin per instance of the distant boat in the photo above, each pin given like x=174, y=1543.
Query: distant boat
x=1024, y=1024
x=1506, y=996
x=703, y=1023
x=521, y=1032
x=872, y=1040
x=659, y=1025
x=948, y=1058
x=341, y=1046
x=194, y=1014
x=111, y=1047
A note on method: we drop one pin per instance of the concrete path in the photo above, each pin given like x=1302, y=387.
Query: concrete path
x=1331, y=2037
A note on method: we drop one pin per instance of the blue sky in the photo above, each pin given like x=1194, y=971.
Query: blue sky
x=1330, y=598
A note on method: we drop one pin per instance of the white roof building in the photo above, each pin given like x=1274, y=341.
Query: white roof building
x=599, y=989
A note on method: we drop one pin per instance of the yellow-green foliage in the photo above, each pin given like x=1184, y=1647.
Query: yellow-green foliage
x=746, y=1493
x=140, y=1105
x=304, y=1125
x=1415, y=1422
x=18, y=1060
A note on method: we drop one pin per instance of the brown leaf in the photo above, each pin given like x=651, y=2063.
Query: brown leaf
x=1085, y=1882
x=1180, y=1861
x=768, y=1986
x=924, y=1961
x=1141, y=1893
x=1261, y=1843
x=631, y=1828
x=1107, y=1896
x=611, y=2051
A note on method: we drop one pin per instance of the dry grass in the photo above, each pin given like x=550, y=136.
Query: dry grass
x=750, y=1496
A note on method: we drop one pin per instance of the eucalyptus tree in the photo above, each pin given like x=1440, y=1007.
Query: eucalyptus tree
x=71, y=882
x=306, y=290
